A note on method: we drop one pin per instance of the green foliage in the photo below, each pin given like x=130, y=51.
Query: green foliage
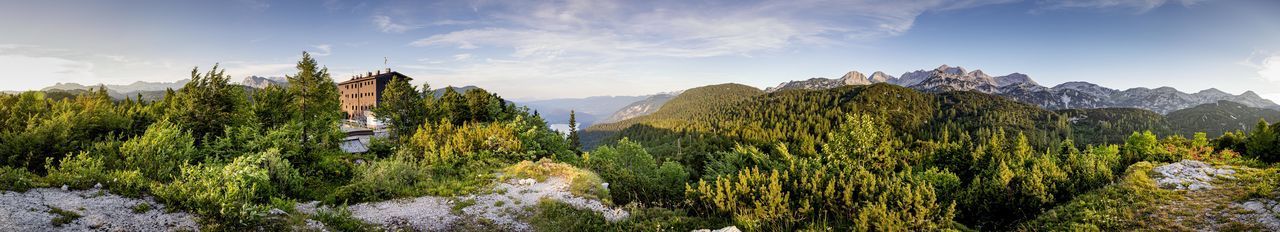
x=1218, y=118
x=208, y=105
x=1108, y=209
x=1264, y=142
x=63, y=216
x=37, y=128
x=339, y=219
x=634, y=175
x=139, y=208
x=271, y=106
x=574, y=138
x=447, y=143
x=231, y=194
x=555, y=216
x=80, y=171
x=403, y=176
x=18, y=179
x=160, y=152
x=315, y=105
x=402, y=107
x=1113, y=125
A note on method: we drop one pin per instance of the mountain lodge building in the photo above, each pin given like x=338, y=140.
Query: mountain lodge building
x=362, y=93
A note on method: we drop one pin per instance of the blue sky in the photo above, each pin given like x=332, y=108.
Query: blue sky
x=552, y=49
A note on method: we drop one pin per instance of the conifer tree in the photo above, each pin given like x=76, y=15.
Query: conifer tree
x=402, y=108
x=208, y=104
x=573, y=131
x=271, y=105
x=315, y=103
x=453, y=106
x=1263, y=143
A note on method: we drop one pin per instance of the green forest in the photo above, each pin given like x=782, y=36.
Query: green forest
x=856, y=158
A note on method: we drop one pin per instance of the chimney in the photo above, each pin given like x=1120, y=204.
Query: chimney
x=379, y=72
x=368, y=74
x=388, y=70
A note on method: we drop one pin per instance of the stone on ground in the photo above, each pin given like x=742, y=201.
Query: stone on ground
x=1190, y=175
x=99, y=211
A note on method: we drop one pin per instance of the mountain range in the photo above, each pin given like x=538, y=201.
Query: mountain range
x=262, y=82
x=148, y=90
x=1020, y=87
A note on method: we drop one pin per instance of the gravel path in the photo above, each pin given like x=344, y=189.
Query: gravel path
x=502, y=207
x=100, y=211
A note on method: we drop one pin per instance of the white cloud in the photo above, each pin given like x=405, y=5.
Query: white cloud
x=615, y=29
x=1267, y=64
x=584, y=42
x=1270, y=68
x=461, y=57
x=1139, y=6
x=240, y=69
x=23, y=72
x=386, y=25
x=26, y=67
x=322, y=50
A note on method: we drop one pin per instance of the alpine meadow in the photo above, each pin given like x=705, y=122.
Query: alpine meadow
x=604, y=115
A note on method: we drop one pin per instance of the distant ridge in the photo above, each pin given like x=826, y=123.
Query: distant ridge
x=1020, y=87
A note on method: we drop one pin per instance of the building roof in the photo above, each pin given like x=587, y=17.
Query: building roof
x=370, y=76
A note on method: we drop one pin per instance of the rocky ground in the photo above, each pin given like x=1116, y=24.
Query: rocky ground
x=44, y=209
x=500, y=208
x=1209, y=198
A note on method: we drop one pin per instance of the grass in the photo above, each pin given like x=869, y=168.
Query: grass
x=339, y=219
x=141, y=208
x=555, y=216
x=62, y=216
x=462, y=204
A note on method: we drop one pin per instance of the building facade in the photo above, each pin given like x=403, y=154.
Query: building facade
x=362, y=93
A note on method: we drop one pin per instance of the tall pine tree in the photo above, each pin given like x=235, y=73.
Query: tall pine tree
x=316, y=105
x=573, y=131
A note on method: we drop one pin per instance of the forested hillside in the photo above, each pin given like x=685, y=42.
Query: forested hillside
x=1220, y=117
x=798, y=159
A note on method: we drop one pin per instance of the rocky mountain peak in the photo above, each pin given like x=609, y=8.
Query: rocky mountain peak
x=854, y=78
x=1014, y=78
x=880, y=77
x=951, y=70
x=1212, y=92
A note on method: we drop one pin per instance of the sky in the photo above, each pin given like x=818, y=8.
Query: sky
x=529, y=50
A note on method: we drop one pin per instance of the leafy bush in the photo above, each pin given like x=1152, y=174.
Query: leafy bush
x=80, y=171
x=18, y=179
x=404, y=176
x=634, y=175
x=128, y=183
x=555, y=216
x=446, y=143
x=160, y=152
x=231, y=193
x=1107, y=209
